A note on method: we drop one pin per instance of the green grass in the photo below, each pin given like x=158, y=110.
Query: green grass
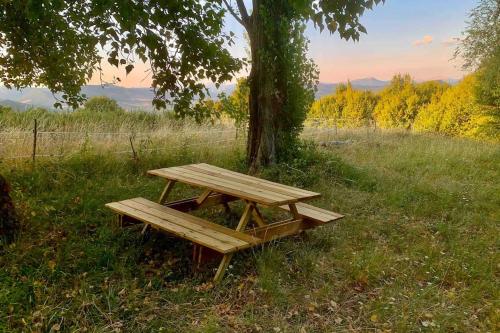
x=417, y=251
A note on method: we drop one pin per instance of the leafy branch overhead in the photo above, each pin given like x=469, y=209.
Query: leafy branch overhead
x=60, y=44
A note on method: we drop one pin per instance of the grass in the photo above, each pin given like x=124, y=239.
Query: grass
x=417, y=251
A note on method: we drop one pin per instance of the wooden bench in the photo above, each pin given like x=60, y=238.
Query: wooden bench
x=221, y=186
x=192, y=228
x=314, y=214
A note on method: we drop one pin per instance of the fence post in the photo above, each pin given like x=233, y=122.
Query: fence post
x=35, y=132
x=134, y=154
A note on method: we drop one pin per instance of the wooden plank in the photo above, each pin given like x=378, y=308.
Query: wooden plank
x=186, y=222
x=315, y=213
x=294, y=211
x=191, y=204
x=243, y=181
x=234, y=190
x=193, y=219
x=166, y=191
x=197, y=181
x=222, y=267
x=173, y=228
x=249, y=180
x=203, y=197
x=223, y=181
x=245, y=217
x=258, y=217
x=281, y=229
x=259, y=181
x=318, y=211
x=219, y=180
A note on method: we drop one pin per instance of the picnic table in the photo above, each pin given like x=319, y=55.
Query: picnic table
x=220, y=187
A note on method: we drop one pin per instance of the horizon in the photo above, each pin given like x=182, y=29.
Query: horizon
x=416, y=38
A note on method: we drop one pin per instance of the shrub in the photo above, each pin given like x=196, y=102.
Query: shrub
x=347, y=107
x=102, y=104
x=457, y=112
x=402, y=100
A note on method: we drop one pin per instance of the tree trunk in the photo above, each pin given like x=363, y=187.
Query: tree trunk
x=261, y=144
x=9, y=224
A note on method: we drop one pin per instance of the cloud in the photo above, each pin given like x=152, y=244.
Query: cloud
x=451, y=41
x=427, y=39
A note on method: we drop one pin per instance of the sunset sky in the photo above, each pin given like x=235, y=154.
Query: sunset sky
x=404, y=36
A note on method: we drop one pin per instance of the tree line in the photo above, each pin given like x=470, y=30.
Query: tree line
x=431, y=106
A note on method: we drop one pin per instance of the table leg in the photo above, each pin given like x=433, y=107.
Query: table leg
x=258, y=217
x=245, y=217
x=166, y=192
x=222, y=267
x=203, y=197
x=294, y=211
x=247, y=213
x=227, y=209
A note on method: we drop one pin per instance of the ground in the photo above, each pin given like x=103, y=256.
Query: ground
x=417, y=250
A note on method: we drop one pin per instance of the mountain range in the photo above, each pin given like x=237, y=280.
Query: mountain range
x=140, y=98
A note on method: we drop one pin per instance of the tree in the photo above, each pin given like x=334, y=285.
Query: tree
x=457, y=113
x=235, y=106
x=59, y=44
x=101, y=104
x=480, y=50
x=397, y=106
x=273, y=27
x=488, y=86
x=346, y=107
x=402, y=100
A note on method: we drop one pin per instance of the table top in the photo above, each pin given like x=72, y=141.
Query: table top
x=236, y=184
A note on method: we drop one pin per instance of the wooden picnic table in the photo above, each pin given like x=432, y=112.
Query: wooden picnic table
x=221, y=186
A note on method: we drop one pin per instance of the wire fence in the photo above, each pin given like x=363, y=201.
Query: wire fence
x=34, y=144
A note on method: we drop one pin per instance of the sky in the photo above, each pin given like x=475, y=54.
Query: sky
x=404, y=36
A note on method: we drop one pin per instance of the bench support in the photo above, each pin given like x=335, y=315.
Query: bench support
x=222, y=267
x=203, y=197
x=245, y=218
x=282, y=229
x=191, y=204
x=166, y=191
x=294, y=211
x=257, y=216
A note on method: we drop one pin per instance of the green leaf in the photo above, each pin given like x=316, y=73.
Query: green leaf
x=129, y=68
x=113, y=61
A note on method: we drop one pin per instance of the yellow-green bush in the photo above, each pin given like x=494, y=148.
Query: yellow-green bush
x=347, y=107
x=458, y=113
x=402, y=100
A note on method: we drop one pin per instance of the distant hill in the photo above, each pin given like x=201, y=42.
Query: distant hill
x=368, y=84
x=14, y=105
x=128, y=98
x=140, y=98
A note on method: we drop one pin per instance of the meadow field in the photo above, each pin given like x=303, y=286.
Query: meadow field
x=417, y=250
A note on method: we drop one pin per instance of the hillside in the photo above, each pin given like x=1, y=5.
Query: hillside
x=415, y=252
x=14, y=105
x=140, y=98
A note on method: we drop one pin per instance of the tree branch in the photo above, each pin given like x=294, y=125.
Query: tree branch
x=233, y=13
x=243, y=11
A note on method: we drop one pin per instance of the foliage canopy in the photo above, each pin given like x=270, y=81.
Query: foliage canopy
x=347, y=107
x=480, y=50
x=401, y=101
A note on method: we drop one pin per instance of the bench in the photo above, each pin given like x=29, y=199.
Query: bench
x=221, y=186
x=314, y=214
x=192, y=228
